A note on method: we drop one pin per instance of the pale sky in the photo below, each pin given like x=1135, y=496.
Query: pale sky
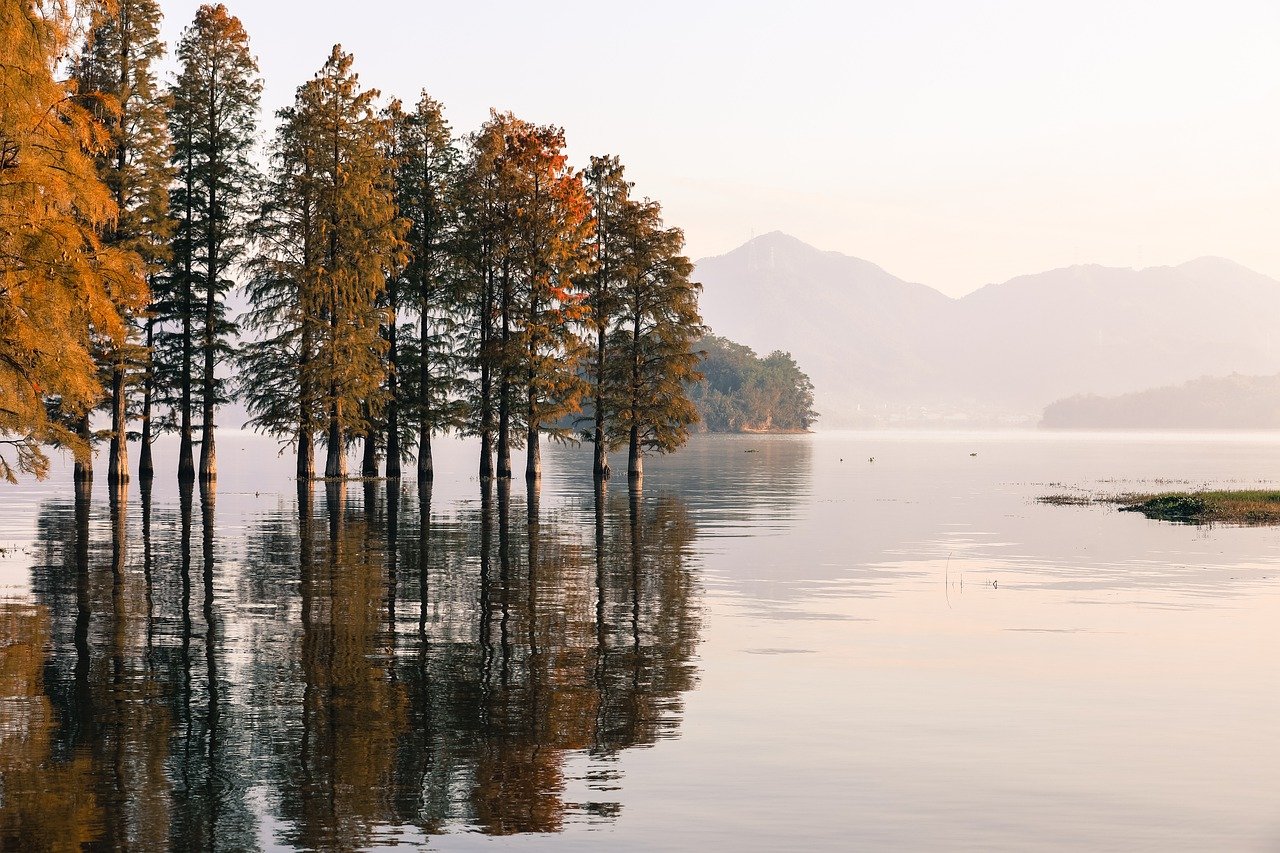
x=953, y=143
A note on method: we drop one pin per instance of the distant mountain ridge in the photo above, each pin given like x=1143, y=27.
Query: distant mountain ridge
x=882, y=350
x=1211, y=402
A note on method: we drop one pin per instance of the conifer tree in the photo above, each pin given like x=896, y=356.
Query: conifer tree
x=60, y=286
x=552, y=223
x=425, y=374
x=212, y=120
x=480, y=250
x=611, y=202
x=652, y=338
x=524, y=221
x=330, y=239
x=116, y=80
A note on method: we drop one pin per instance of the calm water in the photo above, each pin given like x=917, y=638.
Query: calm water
x=779, y=645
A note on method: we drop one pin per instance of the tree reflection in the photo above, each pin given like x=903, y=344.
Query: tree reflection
x=356, y=666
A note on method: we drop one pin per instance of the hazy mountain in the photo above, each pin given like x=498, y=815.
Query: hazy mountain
x=880, y=349
x=1212, y=402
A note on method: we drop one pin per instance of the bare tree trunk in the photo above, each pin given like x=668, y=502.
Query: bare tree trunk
x=426, y=469
x=208, y=453
x=600, y=464
x=83, y=475
x=335, y=466
x=504, y=387
x=635, y=455
x=186, y=460
x=306, y=454
x=369, y=465
x=393, y=389
x=146, y=466
x=533, y=465
x=118, y=454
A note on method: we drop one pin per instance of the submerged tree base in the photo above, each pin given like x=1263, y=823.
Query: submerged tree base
x=1246, y=506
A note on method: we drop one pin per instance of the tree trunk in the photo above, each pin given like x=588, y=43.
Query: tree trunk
x=486, y=455
x=393, y=388
x=335, y=466
x=146, y=466
x=306, y=455
x=504, y=432
x=118, y=455
x=186, y=459
x=533, y=467
x=369, y=465
x=426, y=470
x=84, y=467
x=635, y=456
x=504, y=387
x=208, y=452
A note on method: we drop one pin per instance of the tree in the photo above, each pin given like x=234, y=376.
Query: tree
x=212, y=121
x=116, y=81
x=653, y=335
x=425, y=375
x=524, y=221
x=552, y=225
x=603, y=285
x=479, y=249
x=60, y=285
x=330, y=237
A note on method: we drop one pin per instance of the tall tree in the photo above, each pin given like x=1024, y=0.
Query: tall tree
x=60, y=286
x=212, y=120
x=653, y=334
x=524, y=221
x=552, y=223
x=331, y=238
x=479, y=248
x=425, y=376
x=603, y=285
x=116, y=80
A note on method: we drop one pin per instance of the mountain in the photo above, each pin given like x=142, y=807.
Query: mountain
x=882, y=350
x=1211, y=402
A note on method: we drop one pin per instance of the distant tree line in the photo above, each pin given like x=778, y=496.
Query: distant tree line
x=404, y=281
x=741, y=392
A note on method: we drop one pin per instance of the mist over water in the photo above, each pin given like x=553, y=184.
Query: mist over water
x=803, y=642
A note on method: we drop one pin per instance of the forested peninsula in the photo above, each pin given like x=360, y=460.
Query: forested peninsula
x=403, y=280
x=741, y=392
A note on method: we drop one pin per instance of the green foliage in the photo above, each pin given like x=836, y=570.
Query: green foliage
x=651, y=338
x=428, y=376
x=740, y=392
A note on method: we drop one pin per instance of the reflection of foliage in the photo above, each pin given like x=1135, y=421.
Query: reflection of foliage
x=741, y=392
x=352, y=711
x=381, y=665
x=47, y=804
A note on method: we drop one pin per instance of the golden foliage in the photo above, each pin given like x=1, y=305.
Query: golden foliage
x=60, y=287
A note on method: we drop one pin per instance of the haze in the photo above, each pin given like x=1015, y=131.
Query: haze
x=955, y=144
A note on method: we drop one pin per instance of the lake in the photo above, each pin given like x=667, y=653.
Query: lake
x=824, y=642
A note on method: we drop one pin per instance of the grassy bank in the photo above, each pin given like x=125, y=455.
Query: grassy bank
x=1246, y=506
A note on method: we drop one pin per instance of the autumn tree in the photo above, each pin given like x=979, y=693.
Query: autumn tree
x=552, y=222
x=61, y=286
x=212, y=120
x=425, y=377
x=652, y=337
x=116, y=80
x=524, y=220
x=330, y=238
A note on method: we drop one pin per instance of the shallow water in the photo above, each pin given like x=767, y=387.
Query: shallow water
x=779, y=645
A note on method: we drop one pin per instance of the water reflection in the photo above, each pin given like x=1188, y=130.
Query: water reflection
x=352, y=668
